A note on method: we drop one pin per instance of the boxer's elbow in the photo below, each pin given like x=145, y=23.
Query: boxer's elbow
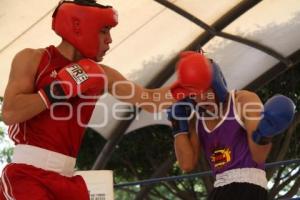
x=148, y=107
x=155, y=100
x=8, y=117
x=259, y=159
x=186, y=165
x=187, y=168
x=260, y=152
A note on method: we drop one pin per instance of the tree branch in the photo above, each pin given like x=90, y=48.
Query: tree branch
x=179, y=193
x=276, y=190
x=277, y=178
x=128, y=190
x=284, y=147
x=162, y=170
x=131, y=167
x=294, y=189
x=171, y=186
x=157, y=194
x=207, y=180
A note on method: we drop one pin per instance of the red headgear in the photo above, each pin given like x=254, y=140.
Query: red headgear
x=80, y=24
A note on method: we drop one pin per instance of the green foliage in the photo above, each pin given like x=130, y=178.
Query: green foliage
x=141, y=151
x=287, y=84
x=6, y=148
x=91, y=146
x=1, y=101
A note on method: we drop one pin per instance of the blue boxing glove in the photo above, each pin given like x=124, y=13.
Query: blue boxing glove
x=179, y=114
x=278, y=114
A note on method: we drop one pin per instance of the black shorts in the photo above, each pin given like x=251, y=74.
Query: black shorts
x=239, y=191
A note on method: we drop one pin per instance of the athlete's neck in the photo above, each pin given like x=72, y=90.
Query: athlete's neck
x=68, y=51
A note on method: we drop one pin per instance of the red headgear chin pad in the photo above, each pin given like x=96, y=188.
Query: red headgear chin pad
x=194, y=71
x=80, y=25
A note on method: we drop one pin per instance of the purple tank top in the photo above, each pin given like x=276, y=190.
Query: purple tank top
x=226, y=146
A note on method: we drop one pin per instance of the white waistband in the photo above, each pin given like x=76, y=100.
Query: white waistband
x=44, y=159
x=242, y=175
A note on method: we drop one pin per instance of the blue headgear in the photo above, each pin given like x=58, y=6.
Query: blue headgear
x=219, y=83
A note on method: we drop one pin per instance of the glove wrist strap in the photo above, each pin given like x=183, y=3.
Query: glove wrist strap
x=261, y=140
x=52, y=93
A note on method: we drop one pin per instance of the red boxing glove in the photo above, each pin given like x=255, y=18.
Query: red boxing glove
x=194, y=75
x=83, y=78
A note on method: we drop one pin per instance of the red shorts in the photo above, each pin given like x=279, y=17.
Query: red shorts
x=24, y=182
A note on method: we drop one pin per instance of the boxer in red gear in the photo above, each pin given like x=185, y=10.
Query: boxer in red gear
x=42, y=111
x=43, y=131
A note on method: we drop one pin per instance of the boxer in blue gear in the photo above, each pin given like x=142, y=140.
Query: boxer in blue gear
x=235, y=144
x=219, y=83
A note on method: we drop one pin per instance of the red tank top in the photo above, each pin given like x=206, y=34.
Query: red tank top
x=60, y=130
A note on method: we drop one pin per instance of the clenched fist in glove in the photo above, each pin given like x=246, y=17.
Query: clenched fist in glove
x=85, y=77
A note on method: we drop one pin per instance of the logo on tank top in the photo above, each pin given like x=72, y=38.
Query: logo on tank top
x=220, y=157
x=77, y=73
x=53, y=74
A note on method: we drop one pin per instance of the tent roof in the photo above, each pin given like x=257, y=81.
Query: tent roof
x=149, y=36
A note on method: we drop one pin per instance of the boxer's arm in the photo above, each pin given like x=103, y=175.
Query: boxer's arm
x=187, y=148
x=251, y=108
x=20, y=103
x=152, y=100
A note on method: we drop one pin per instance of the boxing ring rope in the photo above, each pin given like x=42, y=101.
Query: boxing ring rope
x=193, y=175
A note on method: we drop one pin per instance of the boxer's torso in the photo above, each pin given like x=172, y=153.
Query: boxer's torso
x=226, y=146
x=60, y=128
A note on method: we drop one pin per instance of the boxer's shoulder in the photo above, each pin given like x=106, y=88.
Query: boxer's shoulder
x=28, y=58
x=245, y=96
x=29, y=54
